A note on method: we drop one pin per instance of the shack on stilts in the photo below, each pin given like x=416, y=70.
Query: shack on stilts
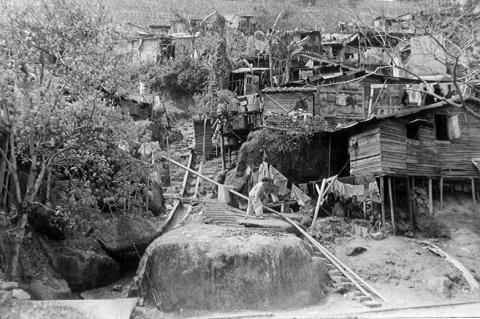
x=431, y=147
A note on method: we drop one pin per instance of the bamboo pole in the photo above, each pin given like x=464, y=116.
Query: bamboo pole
x=382, y=194
x=414, y=200
x=204, y=138
x=392, y=211
x=474, y=198
x=319, y=203
x=321, y=194
x=441, y=194
x=222, y=148
x=365, y=190
x=430, y=197
x=410, y=204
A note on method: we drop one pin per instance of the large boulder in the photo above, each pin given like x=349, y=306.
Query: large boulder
x=46, y=222
x=85, y=269
x=300, y=160
x=215, y=268
x=126, y=238
x=53, y=289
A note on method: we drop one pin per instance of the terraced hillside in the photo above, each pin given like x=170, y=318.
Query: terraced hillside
x=302, y=13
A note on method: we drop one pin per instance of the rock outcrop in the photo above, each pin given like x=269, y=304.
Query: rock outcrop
x=85, y=269
x=299, y=161
x=126, y=238
x=216, y=268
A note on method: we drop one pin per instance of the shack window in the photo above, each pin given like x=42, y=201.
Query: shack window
x=441, y=127
x=412, y=131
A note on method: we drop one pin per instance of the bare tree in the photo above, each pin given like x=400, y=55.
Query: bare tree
x=447, y=36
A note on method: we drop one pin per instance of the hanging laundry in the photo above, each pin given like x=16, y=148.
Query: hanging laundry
x=374, y=192
x=348, y=191
x=302, y=198
x=266, y=170
x=303, y=187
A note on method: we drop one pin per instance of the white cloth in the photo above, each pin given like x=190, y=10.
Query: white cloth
x=255, y=205
x=266, y=170
x=297, y=194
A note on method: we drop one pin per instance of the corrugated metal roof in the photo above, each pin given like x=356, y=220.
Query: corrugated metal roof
x=248, y=70
x=290, y=89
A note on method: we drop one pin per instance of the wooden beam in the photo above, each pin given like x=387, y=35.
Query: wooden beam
x=392, y=211
x=276, y=103
x=321, y=196
x=474, y=197
x=329, y=154
x=410, y=205
x=441, y=194
x=382, y=192
x=430, y=197
x=365, y=191
x=413, y=193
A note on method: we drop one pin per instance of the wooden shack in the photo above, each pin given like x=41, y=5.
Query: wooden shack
x=437, y=140
x=429, y=144
x=286, y=99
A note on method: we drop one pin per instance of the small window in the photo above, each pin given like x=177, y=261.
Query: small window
x=441, y=127
x=412, y=131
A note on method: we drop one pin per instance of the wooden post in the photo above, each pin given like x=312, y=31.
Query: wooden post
x=430, y=197
x=474, y=197
x=382, y=194
x=441, y=194
x=204, y=138
x=365, y=190
x=410, y=205
x=414, y=199
x=329, y=154
x=392, y=211
x=222, y=148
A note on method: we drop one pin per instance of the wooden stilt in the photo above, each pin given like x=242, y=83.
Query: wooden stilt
x=430, y=197
x=222, y=149
x=329, y=155
x=365, y=190
x=441, y=194
x=392, y=211
x=414, y=203
x=410, y=204
x=382, y=194
x=474, y=197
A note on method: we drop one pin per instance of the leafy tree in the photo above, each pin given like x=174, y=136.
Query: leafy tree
x=175, y=78
x=59, y=67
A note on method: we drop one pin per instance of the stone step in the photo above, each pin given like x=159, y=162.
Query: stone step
x=340, y=279
x=331, y=266
x=335, y=272
x=319, y=259
x=363, y=298
x=372, y=303
x=342, y=287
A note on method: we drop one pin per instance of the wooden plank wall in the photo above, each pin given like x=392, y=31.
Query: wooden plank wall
x=423, y=158
x=393, y=138
x=344, y=100
x=385, y=149
x=287, y=100
x=456, y=155
x=365, y=152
